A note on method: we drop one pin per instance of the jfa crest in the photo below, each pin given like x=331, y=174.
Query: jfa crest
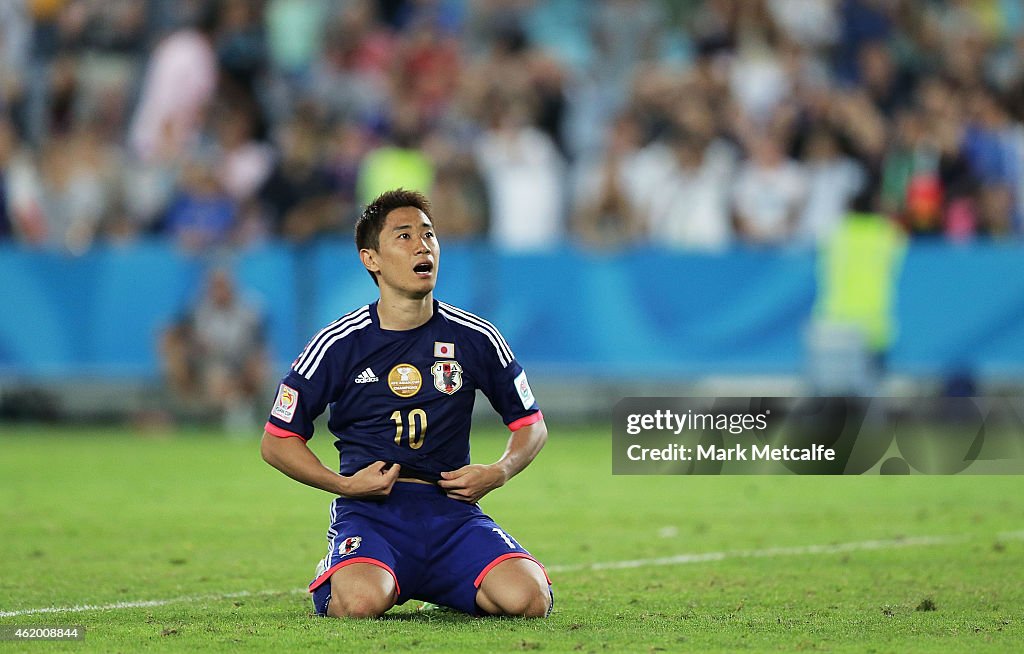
x=349, y=545
x=447, y=376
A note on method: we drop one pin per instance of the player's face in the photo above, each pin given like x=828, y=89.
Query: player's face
x=407, y=257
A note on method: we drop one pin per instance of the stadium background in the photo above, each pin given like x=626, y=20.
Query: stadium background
x=643, y=195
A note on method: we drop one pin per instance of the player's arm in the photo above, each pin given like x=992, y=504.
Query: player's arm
x=472, y=482
x=294, y=458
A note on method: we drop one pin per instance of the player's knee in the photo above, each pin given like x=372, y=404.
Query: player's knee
x=525, y=601
x=540, y=604
x=517, y=587
x=357, y=604
x=361, y=591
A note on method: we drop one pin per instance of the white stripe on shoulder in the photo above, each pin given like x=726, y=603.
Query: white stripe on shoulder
x=472, y=317
x=315, y=363
x=317, y=342
x=462, y=321
x=319, y=337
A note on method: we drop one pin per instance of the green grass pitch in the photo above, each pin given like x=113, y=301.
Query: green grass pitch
x=101, y=517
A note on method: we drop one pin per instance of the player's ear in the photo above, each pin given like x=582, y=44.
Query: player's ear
x=369, y=259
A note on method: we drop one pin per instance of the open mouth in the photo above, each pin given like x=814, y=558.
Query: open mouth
x=423, y=269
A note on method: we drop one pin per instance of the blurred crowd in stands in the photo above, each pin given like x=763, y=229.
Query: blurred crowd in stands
x=691, y=124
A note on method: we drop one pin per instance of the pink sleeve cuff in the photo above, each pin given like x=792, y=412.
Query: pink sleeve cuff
x=516, y=425
x=274, y=430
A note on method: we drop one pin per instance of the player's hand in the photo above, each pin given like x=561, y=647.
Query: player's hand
x=470, y=483
x=375, y=480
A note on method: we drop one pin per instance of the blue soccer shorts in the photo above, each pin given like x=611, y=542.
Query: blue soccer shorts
x=437, y=549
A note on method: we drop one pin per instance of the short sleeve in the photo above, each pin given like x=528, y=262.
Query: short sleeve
x=300, y=401
x=505, y=384
x=313, y=381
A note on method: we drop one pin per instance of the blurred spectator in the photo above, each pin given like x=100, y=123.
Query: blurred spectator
x=685, y=197
x=625, y=34
x=350, y=78
x=203, y=214
x=397, y=163
x=243, y=164
x=906, y=155
x=297, y=195
x=46, y=42
x=925, y=173
x=609, y=190
x=458, y=195
x=888, y=87
x=548, y=80
x=833, y=181
x=295, y=33
x=108, y=39
x=21, y=189
x=995, y=212
x=654, y=97
x=79, y=183
x=758, y=81
x=811, y=23
x=241, y=51
x=769, y=193
x=147, y=190
x=991, y=150
x=63, y=87
x=344, y=154
x=854, y=316
x=214, y=358
x=15, y=45
x=861, y=21
x=715, y=26
x=177, y=90
x=861, y=125
x=426, y=69
x=523, y=172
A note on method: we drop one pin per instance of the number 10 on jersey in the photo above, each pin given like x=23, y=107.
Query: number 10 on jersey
x=417, y=422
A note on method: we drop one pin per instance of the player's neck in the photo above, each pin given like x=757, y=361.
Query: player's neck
x=399, y=313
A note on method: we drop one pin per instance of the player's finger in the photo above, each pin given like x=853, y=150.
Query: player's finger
x=377, y=466
x=459, y=497
x=455, y=474
x=451, y=484
x=392, y=472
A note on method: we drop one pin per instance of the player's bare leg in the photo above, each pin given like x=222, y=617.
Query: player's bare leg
x=515, y=587
x=361, y=590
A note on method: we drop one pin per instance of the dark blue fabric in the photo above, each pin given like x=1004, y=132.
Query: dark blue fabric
x=436, y=546
x=351, y=365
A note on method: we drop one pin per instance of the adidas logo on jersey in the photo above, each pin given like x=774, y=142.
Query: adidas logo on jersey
x=366, y=377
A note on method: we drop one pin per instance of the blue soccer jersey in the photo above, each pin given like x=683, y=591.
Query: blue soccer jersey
x=403, y=397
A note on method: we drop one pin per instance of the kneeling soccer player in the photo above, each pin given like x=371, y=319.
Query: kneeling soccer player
x=400, y=377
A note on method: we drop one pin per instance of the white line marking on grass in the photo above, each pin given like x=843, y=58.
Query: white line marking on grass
x=679, y=559
x=798, y=550
x=141, y=604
